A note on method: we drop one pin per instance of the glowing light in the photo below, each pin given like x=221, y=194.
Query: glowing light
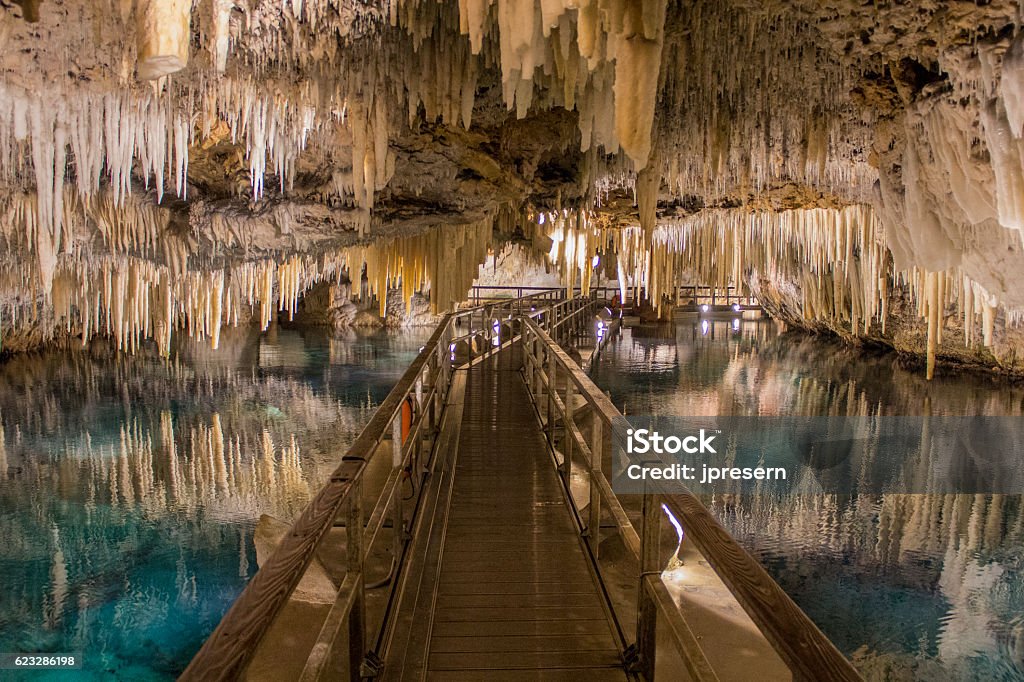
x=675, y=522
x=595, y=261
x=736, y=325
x=675, y=562
x=704, y=308
x=736, y=307
x=704, y=327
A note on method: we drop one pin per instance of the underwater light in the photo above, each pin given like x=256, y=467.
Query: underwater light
x=704, y=327
x=736, y=324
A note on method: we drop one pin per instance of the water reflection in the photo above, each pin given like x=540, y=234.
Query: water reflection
x=130, y=486
x=911, y=586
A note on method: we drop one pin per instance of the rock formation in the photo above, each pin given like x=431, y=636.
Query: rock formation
x=175, y=167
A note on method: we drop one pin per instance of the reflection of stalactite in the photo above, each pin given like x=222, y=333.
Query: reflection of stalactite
x=219, y=474
x=3, y=451
x=243, y=557
x=170, y=454
x=58, y=583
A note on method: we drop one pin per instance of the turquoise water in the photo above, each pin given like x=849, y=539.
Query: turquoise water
x=911, y=587
x=130, y=486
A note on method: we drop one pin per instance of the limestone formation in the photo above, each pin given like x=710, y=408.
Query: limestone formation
x=177, y=167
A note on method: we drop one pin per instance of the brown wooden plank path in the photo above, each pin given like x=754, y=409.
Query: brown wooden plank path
x=515, y=599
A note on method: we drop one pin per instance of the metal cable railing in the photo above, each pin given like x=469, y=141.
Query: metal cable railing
x=554, y=379
x=461, y=338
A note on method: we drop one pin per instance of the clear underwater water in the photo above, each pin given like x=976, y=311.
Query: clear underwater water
x=130, y=486
x=912, y=587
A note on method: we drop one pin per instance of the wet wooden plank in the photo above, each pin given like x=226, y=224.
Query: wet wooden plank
x=503, y=643
x=522, y=587
x=514, y=660
x=519, y=601
x=558, y=675
x=533, y=613
x=519, y=628
x=509, y=574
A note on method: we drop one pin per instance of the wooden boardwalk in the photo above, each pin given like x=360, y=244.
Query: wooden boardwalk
x=492, y=579
x=513, y=595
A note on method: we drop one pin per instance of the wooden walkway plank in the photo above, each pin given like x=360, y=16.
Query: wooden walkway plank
x=515, y=599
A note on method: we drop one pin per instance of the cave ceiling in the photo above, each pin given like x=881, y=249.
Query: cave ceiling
x=190, y=135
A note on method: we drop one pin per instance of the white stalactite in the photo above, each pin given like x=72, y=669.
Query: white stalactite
x=164, y=31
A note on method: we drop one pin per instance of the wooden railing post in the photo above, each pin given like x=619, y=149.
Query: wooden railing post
x=537, y=369
x=397, y=508
x=596, y=456
x=552, y=384
x=647, y=610
x=567, y=432
x=354, y=554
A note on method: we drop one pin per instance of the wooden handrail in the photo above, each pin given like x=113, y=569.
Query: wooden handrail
x=800, y=644
x=232, y=644
x=228, y=650
x=809, y=654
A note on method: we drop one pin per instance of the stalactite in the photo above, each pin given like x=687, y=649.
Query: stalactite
x=132, y=298
x=933, y=307
x=219, y=16
x=164, y=33
x=838, y=256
